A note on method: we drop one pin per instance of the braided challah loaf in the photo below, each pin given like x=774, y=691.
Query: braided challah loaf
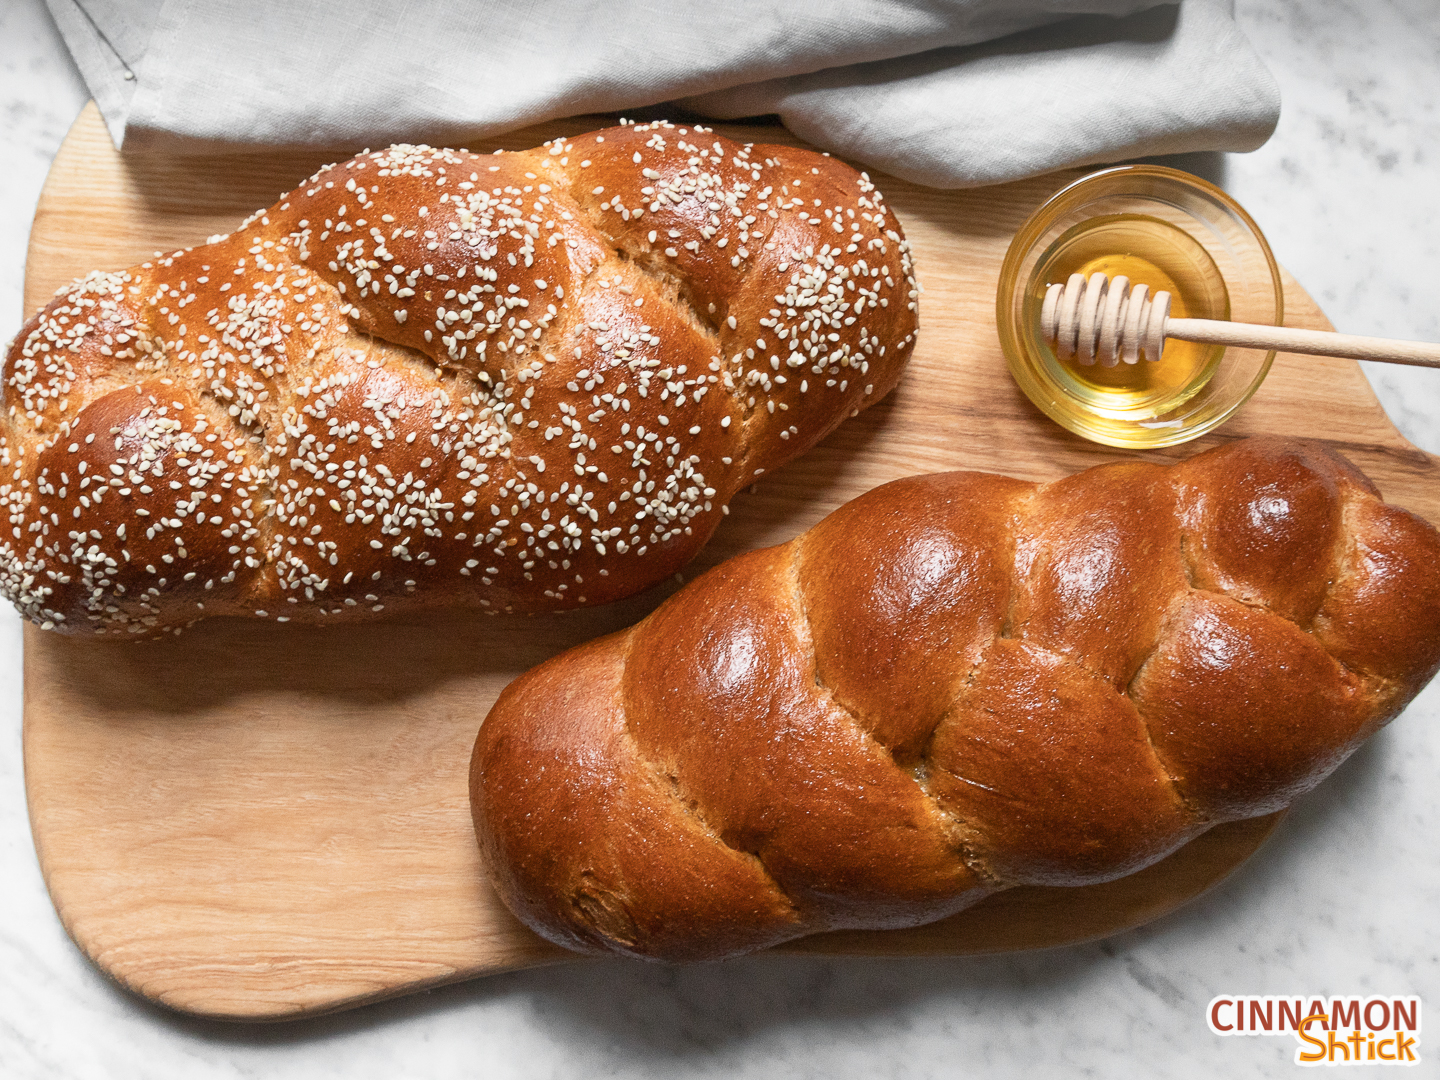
x=518, y=381
x=952, y=685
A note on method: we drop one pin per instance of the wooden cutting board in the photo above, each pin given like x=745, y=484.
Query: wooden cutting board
x=256, y=821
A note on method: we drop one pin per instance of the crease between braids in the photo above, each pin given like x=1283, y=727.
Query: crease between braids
x=967, y=847
x=961, y=834
x=953, y=685
x=432, y=377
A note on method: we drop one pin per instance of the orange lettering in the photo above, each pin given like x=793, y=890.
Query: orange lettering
x=1384, y=1043
x=1357, y=1040
x=1337, y=1045
x=1301, y=1055
x=1402, y=1046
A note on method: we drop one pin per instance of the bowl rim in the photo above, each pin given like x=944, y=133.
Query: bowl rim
x=1024, y=241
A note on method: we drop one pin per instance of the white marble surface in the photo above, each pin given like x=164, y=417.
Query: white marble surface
x=1343, y=899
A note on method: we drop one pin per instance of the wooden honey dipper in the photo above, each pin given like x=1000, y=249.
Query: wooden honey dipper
x=1105, y=319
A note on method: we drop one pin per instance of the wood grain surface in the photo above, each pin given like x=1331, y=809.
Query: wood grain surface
x=256, y=821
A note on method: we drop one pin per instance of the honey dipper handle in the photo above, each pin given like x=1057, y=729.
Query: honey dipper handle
x=1314, y=342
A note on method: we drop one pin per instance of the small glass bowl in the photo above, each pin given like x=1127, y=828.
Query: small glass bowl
x=1233, y=244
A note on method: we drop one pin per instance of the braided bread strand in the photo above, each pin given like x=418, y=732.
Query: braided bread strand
x=953, y=685
x=515, y=381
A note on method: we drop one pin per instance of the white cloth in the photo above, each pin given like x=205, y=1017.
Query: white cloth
x=947, y=92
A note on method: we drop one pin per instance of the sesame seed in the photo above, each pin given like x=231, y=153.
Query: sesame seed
x=268, y=448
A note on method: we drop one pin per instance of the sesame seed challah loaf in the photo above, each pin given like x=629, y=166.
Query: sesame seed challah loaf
x=953, y=685
x=517, y=381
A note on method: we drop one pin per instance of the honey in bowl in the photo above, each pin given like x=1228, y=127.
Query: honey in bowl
x=1168, y=230
x=1146, y=250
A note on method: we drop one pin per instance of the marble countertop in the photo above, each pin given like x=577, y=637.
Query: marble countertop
x=1342, y=900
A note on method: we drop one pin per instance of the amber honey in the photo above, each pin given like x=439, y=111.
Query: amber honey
x=1168, y=230
x=1146, y=250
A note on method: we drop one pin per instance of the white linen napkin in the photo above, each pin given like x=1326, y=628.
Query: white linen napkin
x=950, y=93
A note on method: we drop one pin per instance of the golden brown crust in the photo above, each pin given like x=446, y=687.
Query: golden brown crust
x=515, y=381
x=819, y=803
x=1052, y=769
x=899, y=624
x=667, y=878
x=1245, y=709
x=956, y=684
